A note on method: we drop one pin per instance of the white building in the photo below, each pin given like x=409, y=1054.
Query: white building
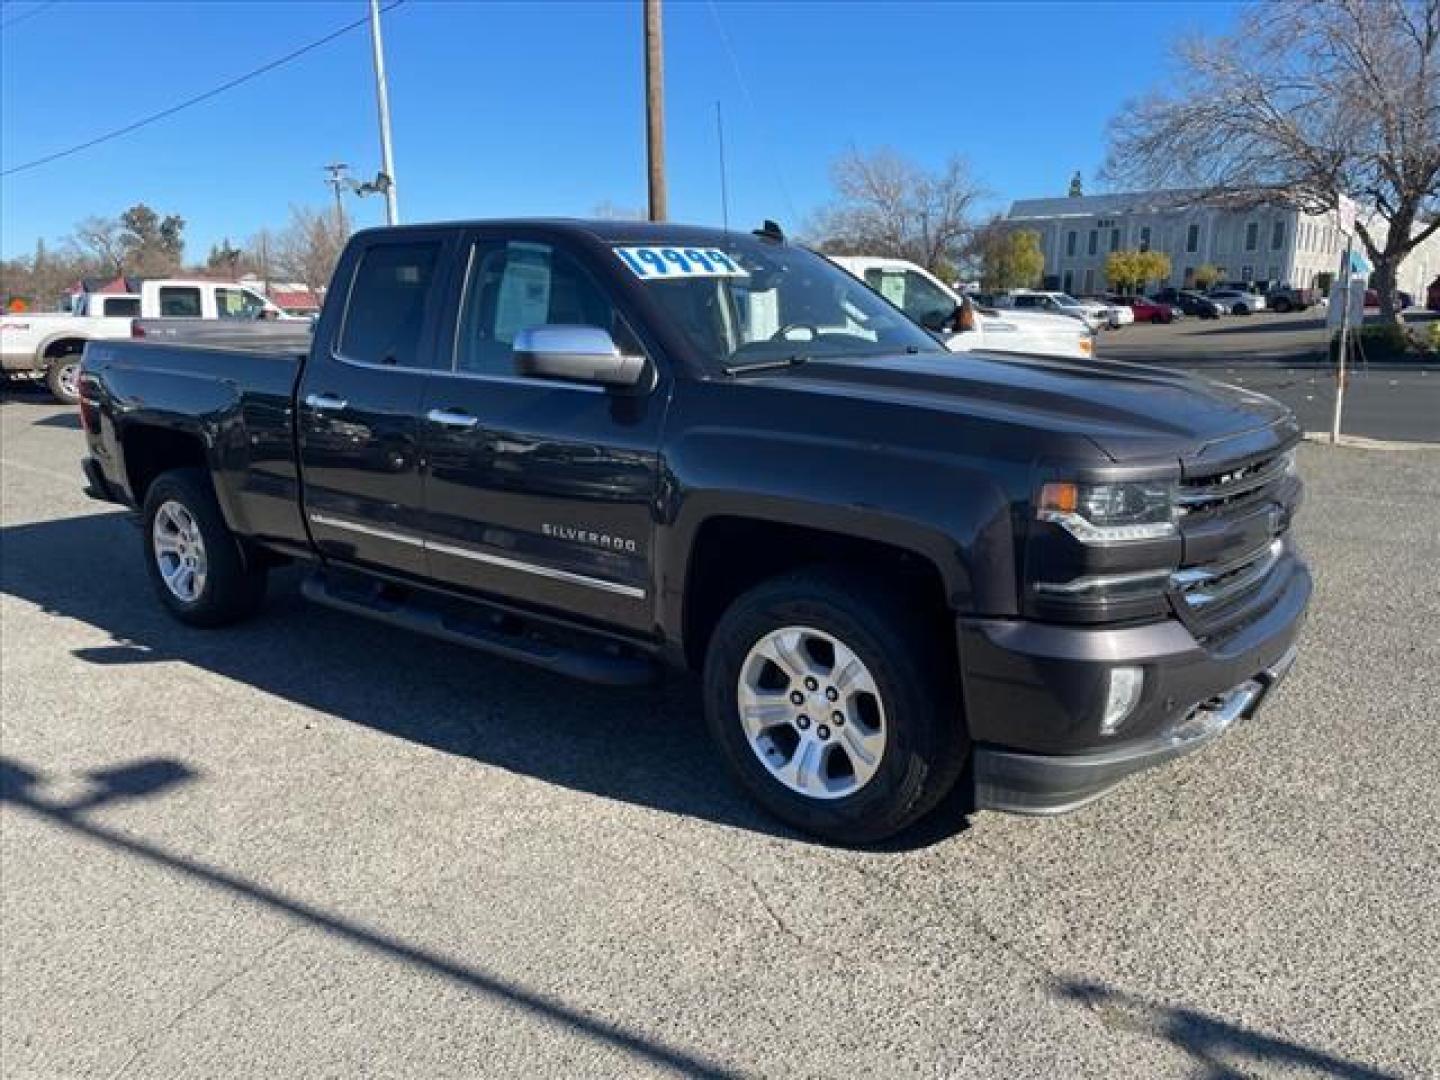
x=1275, y=243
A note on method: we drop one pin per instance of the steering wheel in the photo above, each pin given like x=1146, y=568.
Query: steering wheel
x=784, y=331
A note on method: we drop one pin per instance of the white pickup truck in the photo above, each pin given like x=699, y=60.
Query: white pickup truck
x=935, y=306
x=51, y=343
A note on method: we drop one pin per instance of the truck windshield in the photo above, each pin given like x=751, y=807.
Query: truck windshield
x=748, y=300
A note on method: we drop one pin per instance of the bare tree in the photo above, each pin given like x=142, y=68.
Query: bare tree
x=309, y=247
x=1303, y=103
x=888, y=205
x=105, y=240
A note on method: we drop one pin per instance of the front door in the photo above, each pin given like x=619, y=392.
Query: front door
x=539, y=491
x=360, y=402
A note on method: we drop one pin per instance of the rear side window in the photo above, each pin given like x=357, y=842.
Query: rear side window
x=179, y=302
x=389, y=297
x=238, y=304
x=122, y=307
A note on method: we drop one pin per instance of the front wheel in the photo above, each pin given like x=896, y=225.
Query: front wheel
x=196, y=565
x=1240, y=309
x=835, y=706
x=62, y=378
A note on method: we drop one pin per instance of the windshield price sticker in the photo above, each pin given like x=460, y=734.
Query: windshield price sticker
x=652, y=263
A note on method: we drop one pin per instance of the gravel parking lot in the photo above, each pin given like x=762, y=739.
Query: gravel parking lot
x=311, y=846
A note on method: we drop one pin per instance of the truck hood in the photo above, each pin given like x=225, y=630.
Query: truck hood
x=1130, y=412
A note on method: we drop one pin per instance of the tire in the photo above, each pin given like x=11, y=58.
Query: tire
x=224, y=587
x=1282, y=306
x=921, y=745
x=61, y=378
x=1240, y=309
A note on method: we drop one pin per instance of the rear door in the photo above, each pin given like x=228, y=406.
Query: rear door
x=539, y=491
x=360, y=399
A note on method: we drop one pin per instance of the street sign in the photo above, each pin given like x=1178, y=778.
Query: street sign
x=1345, y=210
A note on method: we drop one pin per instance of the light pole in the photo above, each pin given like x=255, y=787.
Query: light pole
x=382, y=97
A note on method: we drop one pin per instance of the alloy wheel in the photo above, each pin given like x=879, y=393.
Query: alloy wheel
x=179, y=551
x=812, y=712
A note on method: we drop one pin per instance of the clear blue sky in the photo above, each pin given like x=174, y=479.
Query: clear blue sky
x=536, y=108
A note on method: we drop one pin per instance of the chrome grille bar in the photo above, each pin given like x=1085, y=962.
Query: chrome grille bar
x=1202, y=586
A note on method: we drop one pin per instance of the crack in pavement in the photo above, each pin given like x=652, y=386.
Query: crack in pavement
x=153, y=1040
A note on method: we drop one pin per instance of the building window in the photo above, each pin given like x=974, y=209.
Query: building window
x=1089, y=280
x=1069, y=279
x=1247, y=273
x=1094, y=241
x=1070, y=242
x=1189, y=278
x=1145, y=238
x=1114, y=239
x=1274, y=273
x=1192, y=238
x=1252, y=235
x=1277, y=236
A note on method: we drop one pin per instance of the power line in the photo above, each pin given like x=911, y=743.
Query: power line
x=27, y=14
x=198, y=98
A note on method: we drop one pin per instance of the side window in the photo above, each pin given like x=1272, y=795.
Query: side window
x=179, y=302
x=122, y=307
x=924, y=302
x=237, y=304
x=385, y=314
x=516, y=285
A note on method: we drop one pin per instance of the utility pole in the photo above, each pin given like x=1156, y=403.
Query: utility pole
x=1345, y=214
x=654, y=109
x=337, y=170
x=382, y=97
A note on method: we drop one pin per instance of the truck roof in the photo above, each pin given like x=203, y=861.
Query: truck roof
x=607, y=230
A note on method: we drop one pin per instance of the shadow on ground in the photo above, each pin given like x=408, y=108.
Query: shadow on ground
x=19, y=787
x=645, y=746
x=1224, y=1051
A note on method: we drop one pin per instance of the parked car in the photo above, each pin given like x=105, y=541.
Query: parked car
x=604, y=447
x=1116, y=314
x=1094, y=316
x=1283, y=298
x=1189, y=302
x=51, y=344
x=1237, y=301
x=1406, y=300
x=1372, y=300
x=1150, y=311
x=938, y=308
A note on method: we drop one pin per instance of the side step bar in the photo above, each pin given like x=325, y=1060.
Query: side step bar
x=478, y=630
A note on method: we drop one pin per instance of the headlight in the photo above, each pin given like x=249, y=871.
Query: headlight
x=1110, y=513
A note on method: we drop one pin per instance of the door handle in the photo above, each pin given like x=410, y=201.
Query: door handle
x=325, y=402
x=452, y=419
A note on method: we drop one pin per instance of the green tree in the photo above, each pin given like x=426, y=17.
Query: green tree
x=1205, y=275
x=224, y=256
x=155, y=245
x=1009, y=258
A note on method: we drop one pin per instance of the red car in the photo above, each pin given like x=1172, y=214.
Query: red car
x=1151, y=311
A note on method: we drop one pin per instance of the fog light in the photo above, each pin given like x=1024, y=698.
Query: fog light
x=1123, y=696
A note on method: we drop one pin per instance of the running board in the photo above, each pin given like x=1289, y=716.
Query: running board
x=497, y=633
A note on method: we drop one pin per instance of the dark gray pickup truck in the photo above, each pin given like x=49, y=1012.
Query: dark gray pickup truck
x=602, y=448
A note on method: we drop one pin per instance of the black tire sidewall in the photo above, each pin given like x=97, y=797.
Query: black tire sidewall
x=919, y=737
x=231, y=590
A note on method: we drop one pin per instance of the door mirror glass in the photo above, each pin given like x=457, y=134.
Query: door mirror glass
x=575, y=353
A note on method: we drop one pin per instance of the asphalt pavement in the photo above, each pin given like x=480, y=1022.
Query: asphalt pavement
x=310, y=846
x=1284, y=356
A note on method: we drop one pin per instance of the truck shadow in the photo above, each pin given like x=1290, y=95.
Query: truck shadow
x=645, y=746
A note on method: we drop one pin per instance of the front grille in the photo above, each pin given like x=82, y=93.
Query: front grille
x=1213, y=587
x=1219, y=490
x=1233, y=520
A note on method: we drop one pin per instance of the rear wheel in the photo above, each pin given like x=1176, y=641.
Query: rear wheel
x=834, y=705
x=1282, y=306
x=1240, y=309
x=62, y=377
x=195, y=562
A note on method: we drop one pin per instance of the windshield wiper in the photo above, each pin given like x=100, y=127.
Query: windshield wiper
x=793, y=360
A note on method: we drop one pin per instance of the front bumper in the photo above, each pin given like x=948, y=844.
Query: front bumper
x=1034, y=695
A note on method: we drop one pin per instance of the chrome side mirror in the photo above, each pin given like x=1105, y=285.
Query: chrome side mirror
x=575, y=353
